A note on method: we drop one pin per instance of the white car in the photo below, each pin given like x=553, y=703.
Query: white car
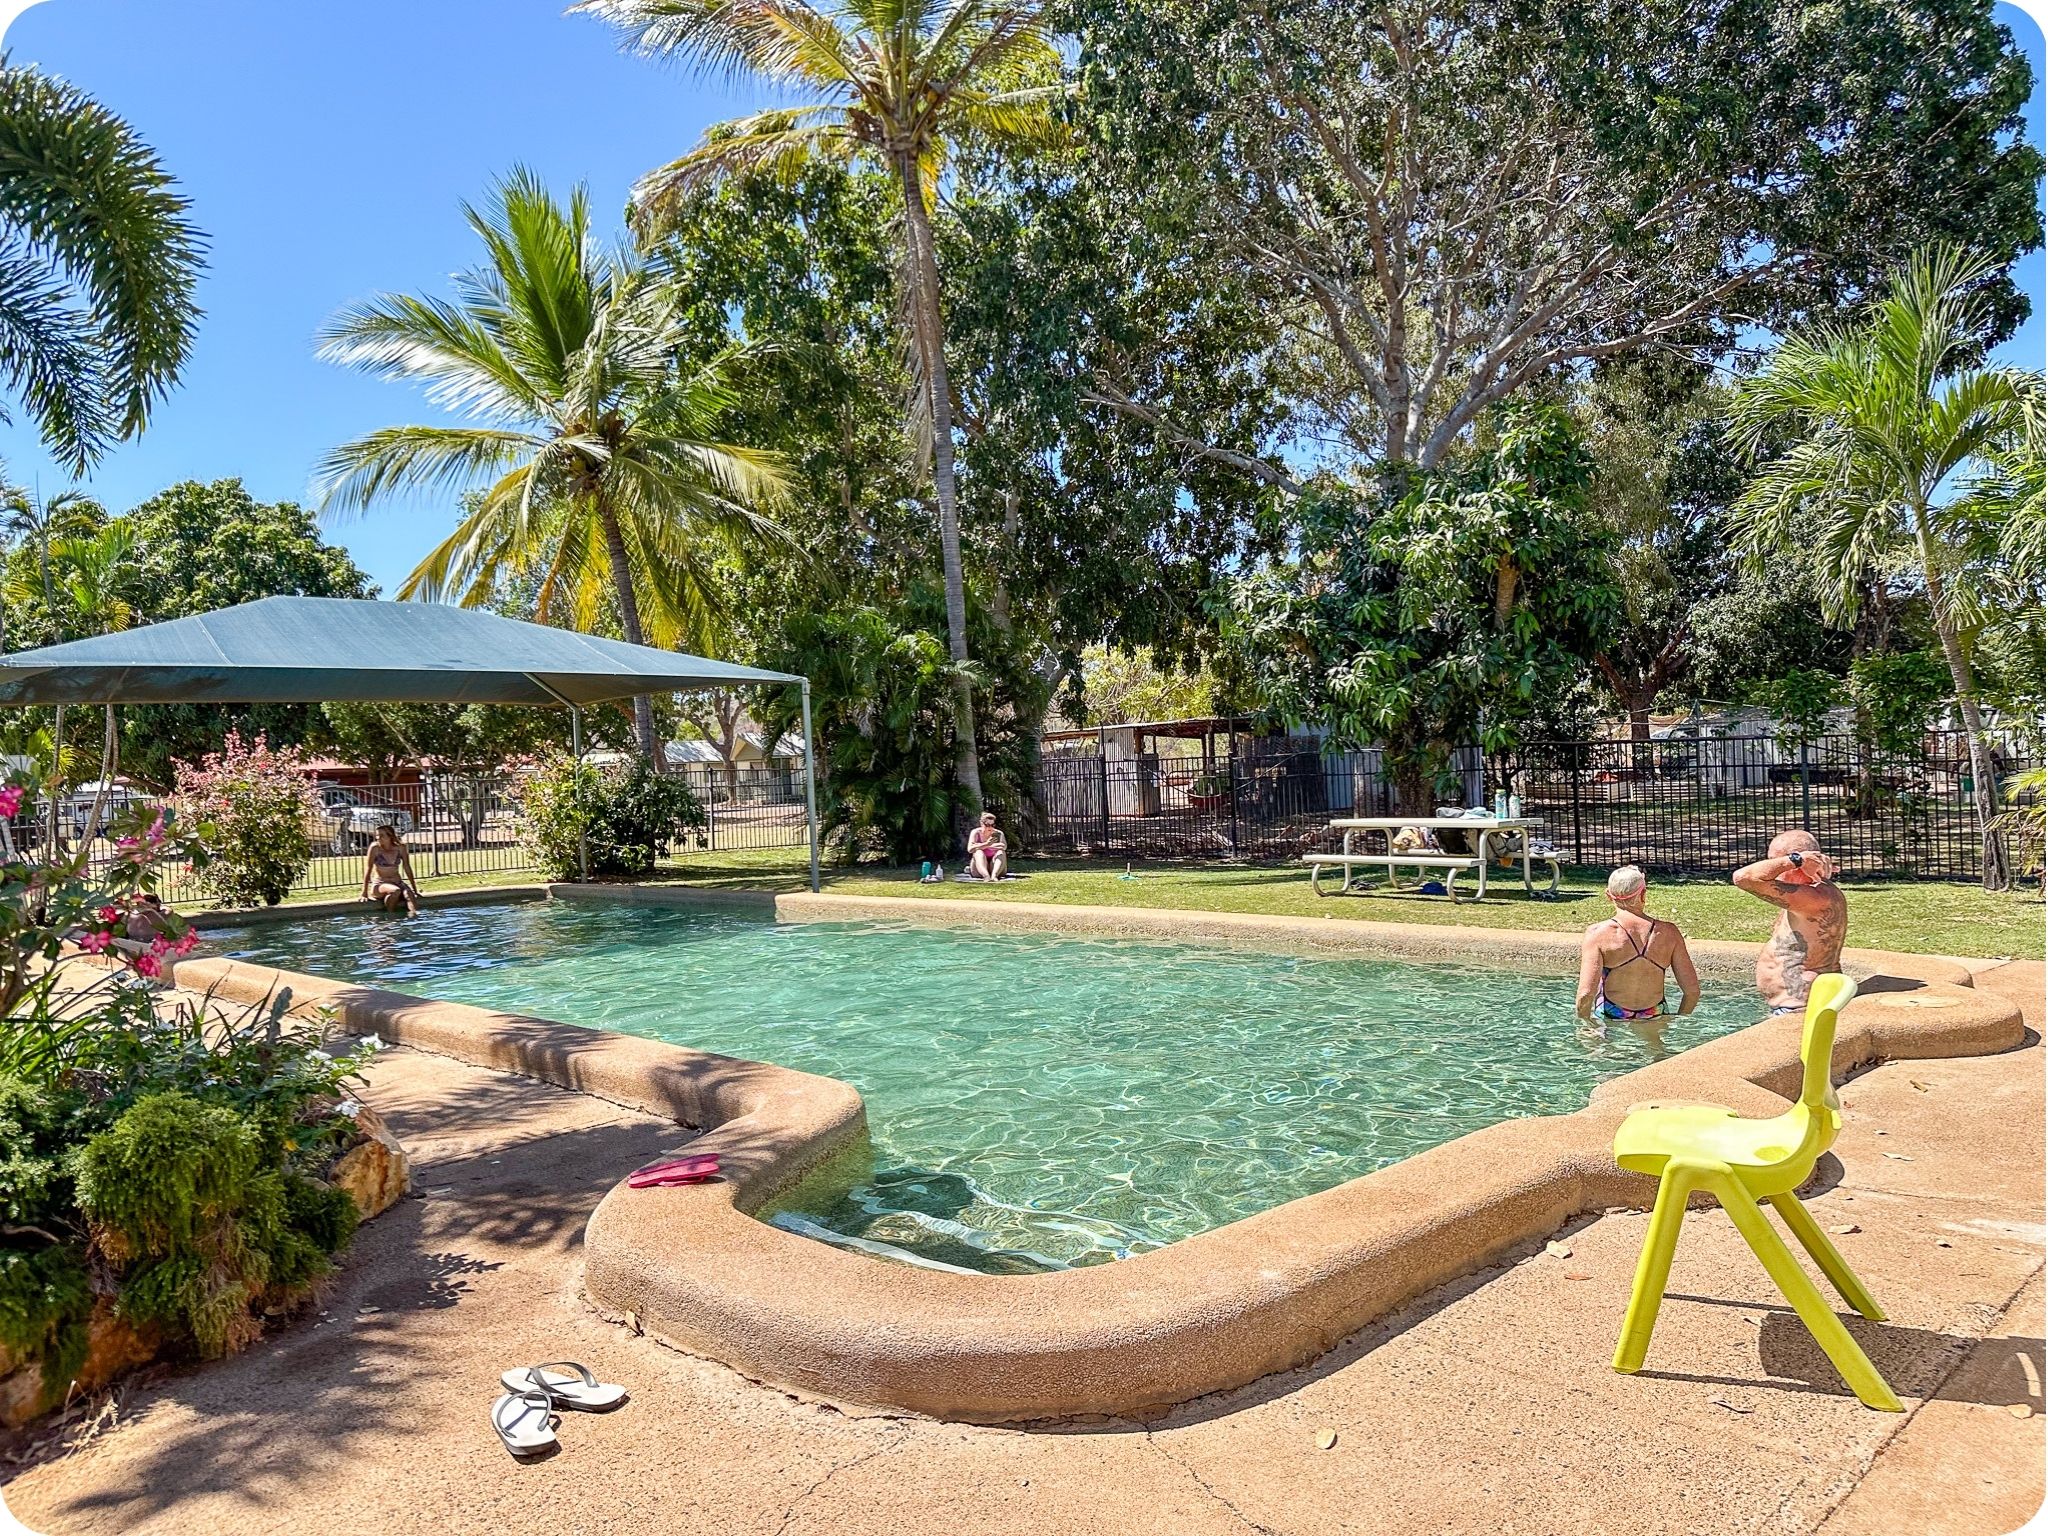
x=352, y=816
x=77, y=806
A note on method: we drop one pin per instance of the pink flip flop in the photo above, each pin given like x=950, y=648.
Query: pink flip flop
x=677, y=1170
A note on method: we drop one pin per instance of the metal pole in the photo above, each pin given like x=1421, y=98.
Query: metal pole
x=810, y=787
x=576, y=754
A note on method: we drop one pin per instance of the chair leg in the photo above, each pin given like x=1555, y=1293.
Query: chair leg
x=1799, y=1220
x=1653, y=1269
x=1863, y=1377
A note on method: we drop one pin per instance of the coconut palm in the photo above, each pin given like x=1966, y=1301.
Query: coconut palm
x=1885, y=416
x=602, y=478
x=97, y=267
x=902, y=82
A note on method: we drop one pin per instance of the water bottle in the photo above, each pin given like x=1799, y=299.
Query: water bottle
x=924, y=873
x=939, y=874
x=1500, y=805
x=1514, y=807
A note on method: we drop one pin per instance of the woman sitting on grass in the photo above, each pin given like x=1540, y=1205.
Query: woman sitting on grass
x=988, y=856
x=387, y=873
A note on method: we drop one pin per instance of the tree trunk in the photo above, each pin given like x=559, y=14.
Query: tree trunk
x=1983, y=773
x=110, y=761
x=629, y=621
x=56, y=783
x=928, y=332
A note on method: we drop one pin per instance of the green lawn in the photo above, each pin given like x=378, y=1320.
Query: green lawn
x=1883, y=914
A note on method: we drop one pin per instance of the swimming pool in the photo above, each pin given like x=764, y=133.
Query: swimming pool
x=1035, y=1100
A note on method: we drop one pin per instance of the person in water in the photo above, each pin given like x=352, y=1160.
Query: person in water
x=1623, y=961
x=988, y=856
x=387, y=873
x=1813, y=918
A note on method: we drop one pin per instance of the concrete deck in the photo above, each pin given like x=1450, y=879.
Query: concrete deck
x=1486, y=1407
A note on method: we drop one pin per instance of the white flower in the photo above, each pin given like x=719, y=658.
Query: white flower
x=319, y=1056
x=348, y=1107
x=372, y=1043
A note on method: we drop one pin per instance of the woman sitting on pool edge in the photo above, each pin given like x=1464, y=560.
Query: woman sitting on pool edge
x=387, y=873
x=988, y=856
x=1623, y=961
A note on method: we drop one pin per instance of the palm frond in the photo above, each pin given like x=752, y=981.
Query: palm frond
x=80, y=190
x=402, y=459
x=777, y=144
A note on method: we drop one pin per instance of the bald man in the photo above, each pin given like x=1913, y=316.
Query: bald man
x=1813, y=918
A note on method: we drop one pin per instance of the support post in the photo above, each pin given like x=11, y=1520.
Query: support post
x=810, y=786
x=576, y=753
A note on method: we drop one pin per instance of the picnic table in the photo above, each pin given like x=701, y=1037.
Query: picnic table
x=1484, y=831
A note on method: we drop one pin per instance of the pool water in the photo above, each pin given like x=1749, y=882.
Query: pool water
x=1034, y=1100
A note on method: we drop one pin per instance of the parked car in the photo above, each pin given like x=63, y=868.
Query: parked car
x=76, y=806
x=352, y=816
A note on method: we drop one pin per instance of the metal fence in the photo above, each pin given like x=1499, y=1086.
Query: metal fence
x=1677, y=804
x=1674, y=805
x=746, y=805
x=468, y=825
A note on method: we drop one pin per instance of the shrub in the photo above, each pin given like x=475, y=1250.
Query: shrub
x=156, y=1155
x=626, y=813
x=45, y=1303
x=260, y=806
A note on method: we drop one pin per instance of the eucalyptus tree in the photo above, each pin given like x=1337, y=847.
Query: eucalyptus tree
x=97, y=268
x=1864, y=427
x=897, y=82
x=599, y=472
x=1435, y=204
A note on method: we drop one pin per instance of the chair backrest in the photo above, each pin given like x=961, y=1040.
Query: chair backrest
x=1830, y=994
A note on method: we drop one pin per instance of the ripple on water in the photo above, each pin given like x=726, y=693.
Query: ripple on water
x=1035, y=1100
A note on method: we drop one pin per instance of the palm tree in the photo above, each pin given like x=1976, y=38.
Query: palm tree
x=28, y=518
x=606, y=481
x=40, y=521
x=902, y=82
x=91, y=574
x=1883, y=415
x=97, y=267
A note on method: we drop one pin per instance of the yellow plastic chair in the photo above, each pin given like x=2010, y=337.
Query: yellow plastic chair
x=1741, y=1162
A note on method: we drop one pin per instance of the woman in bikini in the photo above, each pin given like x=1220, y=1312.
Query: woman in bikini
x=1623, y=961
x=387, y=873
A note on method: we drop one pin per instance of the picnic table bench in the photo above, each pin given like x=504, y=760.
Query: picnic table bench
x=1483, y=831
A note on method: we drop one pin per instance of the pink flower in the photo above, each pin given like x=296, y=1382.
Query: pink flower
x=187, y=944
x=108, y=914
x=160, y=946
x=10, y=801
x=96, y=943
x=148, y=965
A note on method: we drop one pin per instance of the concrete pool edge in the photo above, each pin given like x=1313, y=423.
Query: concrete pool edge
x=693, y=1267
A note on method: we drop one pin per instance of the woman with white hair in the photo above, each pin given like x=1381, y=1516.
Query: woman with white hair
x=1624, y=960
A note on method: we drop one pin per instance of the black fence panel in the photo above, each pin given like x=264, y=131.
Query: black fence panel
x=746, y=805
x=1675, y=805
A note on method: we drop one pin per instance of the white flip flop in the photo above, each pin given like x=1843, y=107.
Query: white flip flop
x=567, y=1383
x=525, y=1421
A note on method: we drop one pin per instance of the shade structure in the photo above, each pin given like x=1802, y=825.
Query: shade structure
x=296, y=650
x=309, y=650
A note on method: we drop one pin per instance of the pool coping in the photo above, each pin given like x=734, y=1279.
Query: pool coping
x=693, y=1267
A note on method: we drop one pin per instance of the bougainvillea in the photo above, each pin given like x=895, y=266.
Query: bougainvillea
x=259, y=802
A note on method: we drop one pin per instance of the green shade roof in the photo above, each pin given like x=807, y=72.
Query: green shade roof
x=302, y=650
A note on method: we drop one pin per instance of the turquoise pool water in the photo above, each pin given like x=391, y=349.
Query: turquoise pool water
x=1035, y=1100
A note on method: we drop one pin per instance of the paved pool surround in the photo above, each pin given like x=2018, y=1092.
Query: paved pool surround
x=695, y=1269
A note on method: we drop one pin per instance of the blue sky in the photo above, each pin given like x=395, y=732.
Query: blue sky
x=326, y=147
